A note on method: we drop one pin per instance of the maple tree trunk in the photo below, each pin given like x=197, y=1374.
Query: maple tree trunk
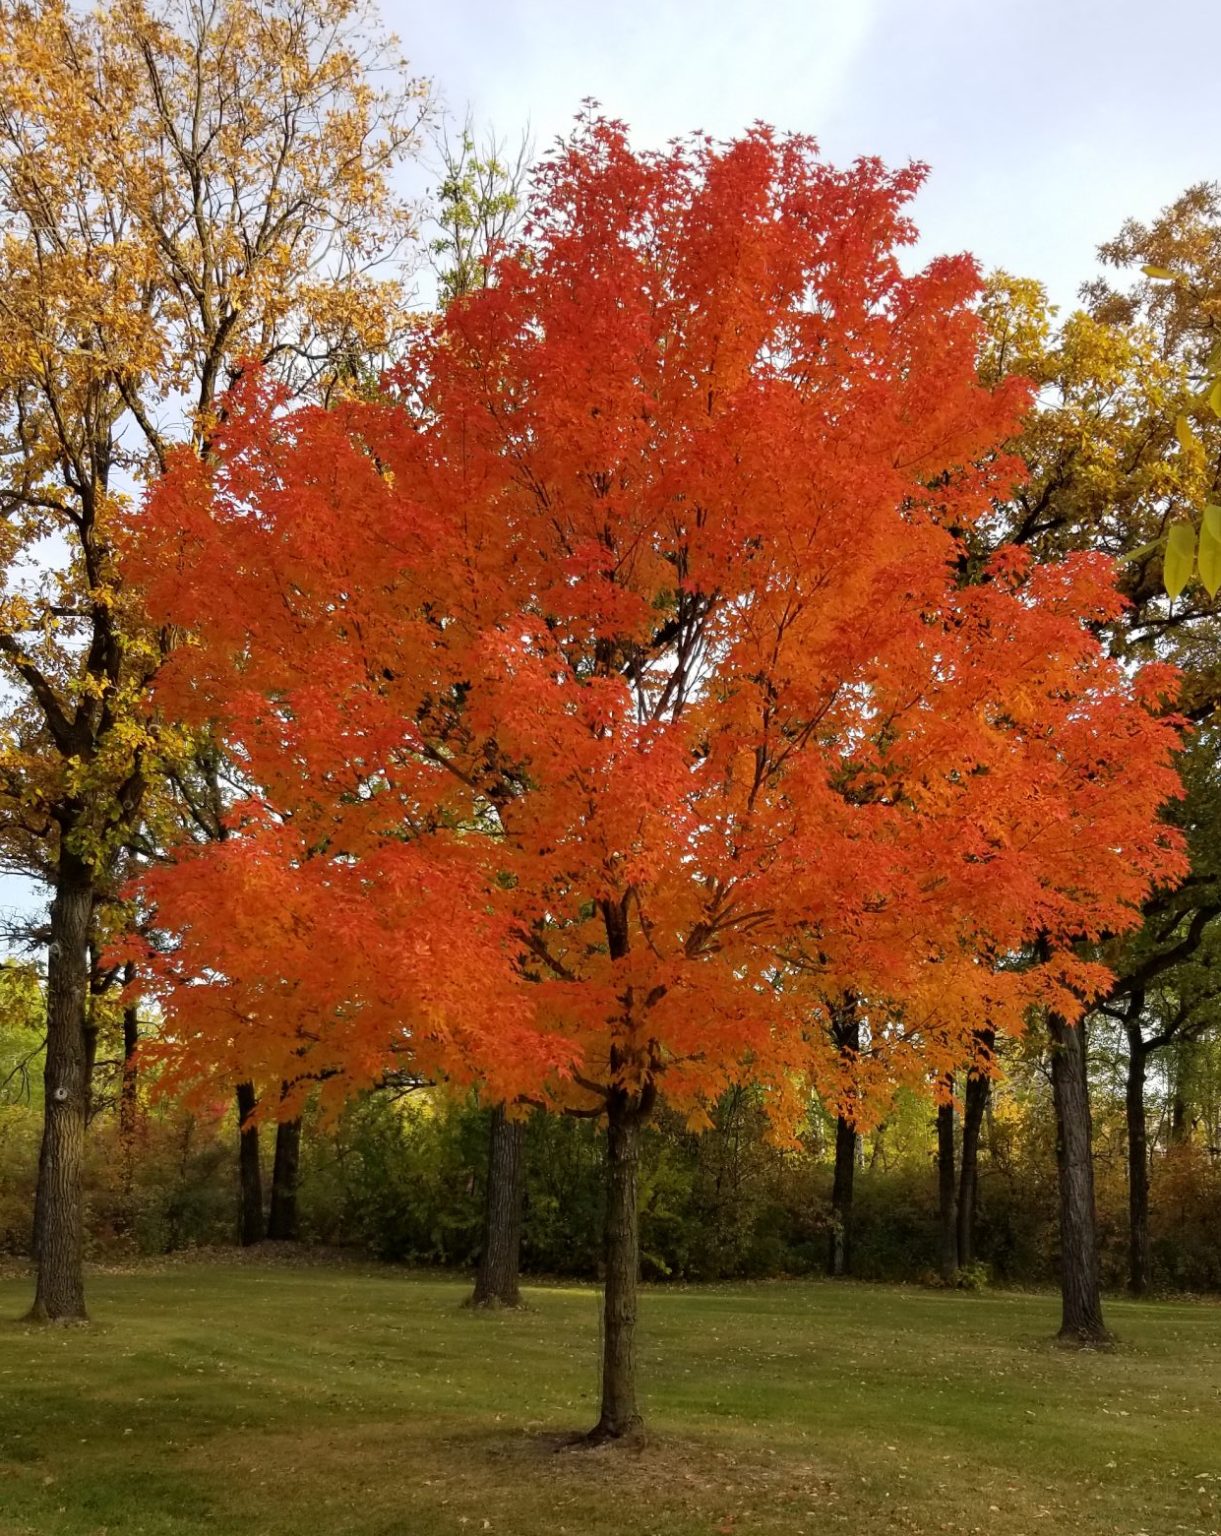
x=1081, y=1320
x=282, y=1224
x=947, y=1192
x=839, y=1255
x=58, y=1221
x=496, y=1281
x=1138, y=1168
x=250, y=1174
x=975, y=1105
x=620, y=1416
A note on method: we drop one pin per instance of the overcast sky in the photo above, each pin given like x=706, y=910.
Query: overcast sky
x=1045, y=124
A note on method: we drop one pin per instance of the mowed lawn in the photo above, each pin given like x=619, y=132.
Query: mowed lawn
x=273, y=1400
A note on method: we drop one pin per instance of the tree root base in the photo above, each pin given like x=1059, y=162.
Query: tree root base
x=631, y=1438
x=39, y=1317
x=1086, y=1338
x=493, y=1304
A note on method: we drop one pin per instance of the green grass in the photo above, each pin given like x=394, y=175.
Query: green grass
x=268, y=1400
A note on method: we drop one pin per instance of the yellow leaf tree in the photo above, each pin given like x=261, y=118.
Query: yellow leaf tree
x=184, y=187
x=1124, y=448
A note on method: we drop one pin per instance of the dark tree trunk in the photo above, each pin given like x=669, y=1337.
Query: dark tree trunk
x=947, y=1190
x=839, y=1254
x=1180, y=1114
x=129, y=1109
x=1138, y=1164
x=1178, y=1119
x=620, y=1416
x=91, y=1056
x=846, y=1034
x=1081, y=1295
x=129, y=1103
x=282, y=1225
x=250, y=1174
x=58, y=1217
x=496, y=1281
x=975, y=1106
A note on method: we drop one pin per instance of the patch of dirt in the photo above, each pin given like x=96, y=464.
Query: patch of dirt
x=531, y=1481
x=659, y=1464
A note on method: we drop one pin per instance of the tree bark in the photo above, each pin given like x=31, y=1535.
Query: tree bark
x=129, y=1105
x=947, y=1190
x=846, y=1034
x=1180, y=1112
x=250, y=1173
x=496, y=1281
x=282, y=1223
x=1081, y=1320
x=975, y=1105
x=129, y=1085
x=839, y=1254
x=58, y=1216
x=620, y=1417
x=1138, y=1164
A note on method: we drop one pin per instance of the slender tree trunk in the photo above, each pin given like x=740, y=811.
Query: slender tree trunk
x=846, y=1034
x=877, y=1147
x=947, y=1190
x=496, y=1281
x=975, y=1104
x=91, y=1056
x=1081, y=1295
x=129, y=1111
x=282, y=1224
x=1178, y=1119
x=839, y=1254
x=620, y=1416
x=1138, y=1165
x=129, y=1102
x=250, y=1174
x=58, y=1216
x=1180, y=1111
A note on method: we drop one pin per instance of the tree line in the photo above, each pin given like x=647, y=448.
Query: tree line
x=405, y=1177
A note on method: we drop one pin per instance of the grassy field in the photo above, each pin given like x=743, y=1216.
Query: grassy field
x=268, y=1400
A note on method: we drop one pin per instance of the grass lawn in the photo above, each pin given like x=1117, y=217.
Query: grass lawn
x=274, y=1400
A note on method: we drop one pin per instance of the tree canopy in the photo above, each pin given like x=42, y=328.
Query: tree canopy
x=610, y=695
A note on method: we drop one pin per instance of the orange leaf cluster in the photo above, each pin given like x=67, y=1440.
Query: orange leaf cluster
x=610, y=696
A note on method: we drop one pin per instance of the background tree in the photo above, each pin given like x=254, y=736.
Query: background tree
x=976, y=1094
x=1123, y=448
x=479, y=208
x=947, y=1182
x=184, y=186
x=846, y=1034
x=480, y=205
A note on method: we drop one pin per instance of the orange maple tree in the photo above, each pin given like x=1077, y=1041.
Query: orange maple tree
x=610, y=694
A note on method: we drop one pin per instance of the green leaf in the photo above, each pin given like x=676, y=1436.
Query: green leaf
x=1180, y=557
x=1139, y=554
x=1164, y=273
x=1185, y=433
x=1210, y=550
x=1214, y=396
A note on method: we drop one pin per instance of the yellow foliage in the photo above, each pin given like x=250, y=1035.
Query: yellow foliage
x=184, y=189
